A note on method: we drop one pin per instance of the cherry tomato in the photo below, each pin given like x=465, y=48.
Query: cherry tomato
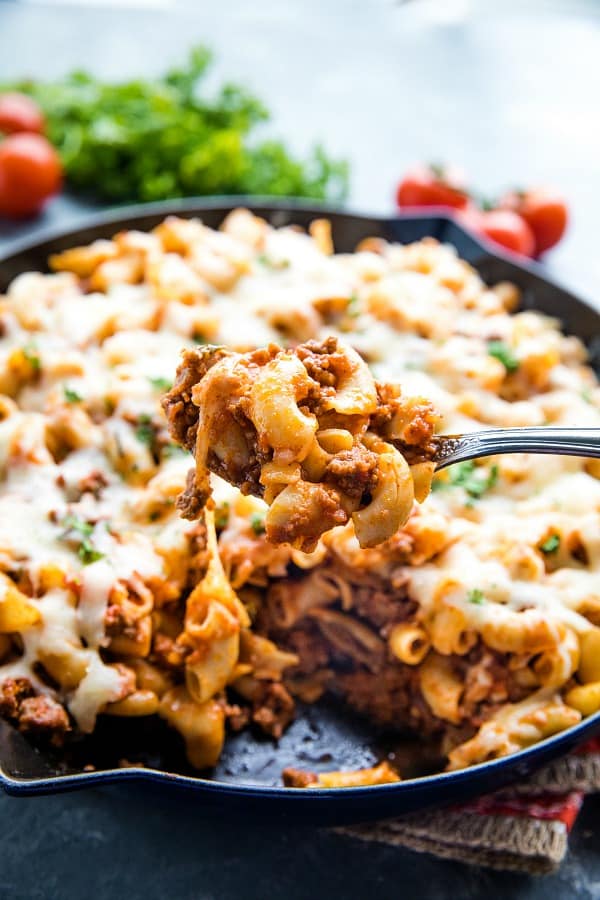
x=432, y=186
x=545, y=212
x=507, y=228
x=18, y=112
x=30, y=173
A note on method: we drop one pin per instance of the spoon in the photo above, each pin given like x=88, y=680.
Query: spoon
x=446, y=449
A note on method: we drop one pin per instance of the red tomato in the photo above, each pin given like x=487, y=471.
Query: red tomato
x=507, y=228
x=18, y=112
x=432, y=186
x=30, y=173
x=546, y=214
x=469, y=218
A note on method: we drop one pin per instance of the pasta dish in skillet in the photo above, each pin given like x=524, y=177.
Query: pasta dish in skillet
x=473, y=617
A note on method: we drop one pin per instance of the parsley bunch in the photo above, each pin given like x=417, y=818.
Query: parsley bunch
x=146, y=140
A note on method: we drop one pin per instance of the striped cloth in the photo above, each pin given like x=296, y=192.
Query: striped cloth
x=524, y=828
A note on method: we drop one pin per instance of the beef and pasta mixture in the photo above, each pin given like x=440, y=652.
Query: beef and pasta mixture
x=475, y=619
x=308, y=430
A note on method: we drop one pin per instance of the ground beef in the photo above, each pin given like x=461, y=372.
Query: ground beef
x=43, y=714
x=182, y=414
x=273, y=708
x=383, y=605
x=12, y=693
x=32, y=714
x=191, y=501
x=354, y=472
x=295, y=526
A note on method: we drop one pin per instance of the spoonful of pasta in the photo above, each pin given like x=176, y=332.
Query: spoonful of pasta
x=313, y=434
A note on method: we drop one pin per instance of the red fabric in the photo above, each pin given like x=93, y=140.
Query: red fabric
x=591, y=746
x=558, y=809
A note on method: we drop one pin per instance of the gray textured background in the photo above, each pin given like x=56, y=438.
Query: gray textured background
x=510, y=90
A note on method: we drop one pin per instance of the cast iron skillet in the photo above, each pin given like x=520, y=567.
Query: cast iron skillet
x=323, y=736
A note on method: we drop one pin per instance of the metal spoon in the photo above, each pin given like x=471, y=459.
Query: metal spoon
x=447, y=449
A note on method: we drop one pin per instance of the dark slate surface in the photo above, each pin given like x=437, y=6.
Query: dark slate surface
x=511, y=91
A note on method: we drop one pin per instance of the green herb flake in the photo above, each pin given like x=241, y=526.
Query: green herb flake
x=476, y=596
x=586, y=395
x=269, y=263
x=353, y=307
x=171, y=450
x=31, y=354
x=502, y=352
x=222, y=515
x=73, y=523
x=199, y=338
x=160, y=384
x=472, y=478
x=71, y=396
x=551, y=544
x=144, y=431
x=87, y=552
x=257, y=523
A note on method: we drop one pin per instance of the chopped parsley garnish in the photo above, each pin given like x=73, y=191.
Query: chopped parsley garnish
x=257, y=523
x=551, y=544
x=586, y=395
x=476, y=596
x=171, y=450
x=470, y=477
x=269, y=263
x=160, y=384
x=144, y=431
x=353, y=307
x=73, y=523
x=502, y=352
x=199, y=338
x=222, y=515
x=86, y=551
x=30, y=352
x=71, y=396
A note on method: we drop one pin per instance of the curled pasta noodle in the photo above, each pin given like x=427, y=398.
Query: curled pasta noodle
x=17, y=612
x=409, y=643
x=214, y=616
x=514, y=727
x=306, y=431
x=442, y=689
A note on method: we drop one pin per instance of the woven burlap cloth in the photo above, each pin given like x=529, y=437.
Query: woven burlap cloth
x=523, y=829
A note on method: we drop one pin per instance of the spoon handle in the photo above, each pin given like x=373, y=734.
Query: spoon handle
x=450, y=449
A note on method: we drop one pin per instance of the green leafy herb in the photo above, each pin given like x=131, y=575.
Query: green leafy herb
x=257, y=522
x=269, y=263
x=502, y=352
x=551, y=544
x=472, y=478
x=168, y=451
x=199, y=338
x=71, y=396
x=476, y=596
x=73, y=523
x=202, y=140
x=160, y=384
x=144, y=431
x=30, y=352
x=87, y=552
x=353, y=307
x=222, y=515
x=586, y=395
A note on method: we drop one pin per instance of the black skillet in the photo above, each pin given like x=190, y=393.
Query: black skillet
x=323, y=736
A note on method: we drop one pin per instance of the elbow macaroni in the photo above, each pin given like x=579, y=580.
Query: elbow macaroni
x=473, y=613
